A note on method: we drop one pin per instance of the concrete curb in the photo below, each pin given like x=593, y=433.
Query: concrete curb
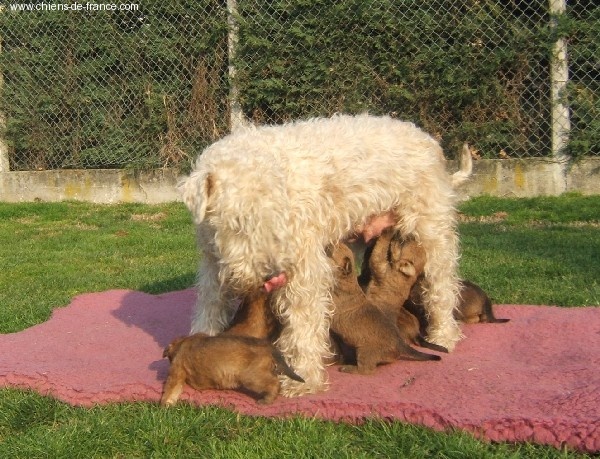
x=506, y=177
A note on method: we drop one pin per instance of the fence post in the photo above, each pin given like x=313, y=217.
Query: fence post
x=236, y=116
x=559, y=76
x=4, y=163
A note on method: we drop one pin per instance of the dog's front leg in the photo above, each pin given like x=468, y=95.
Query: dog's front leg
x=440, y=296
x=214, y=307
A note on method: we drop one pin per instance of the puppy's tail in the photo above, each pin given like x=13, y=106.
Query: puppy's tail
x=466, y=167
x=408, y=353
x=488, y=314
x=282, y=368
x=426, y=344
x=172, y=348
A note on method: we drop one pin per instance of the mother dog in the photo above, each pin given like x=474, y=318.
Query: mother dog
x=268, y=200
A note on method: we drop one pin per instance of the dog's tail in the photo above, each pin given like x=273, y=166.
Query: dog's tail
x=465, y=162
x=426, y=344
x=172, y=348
x=282, y=368
x=488, y=314
x=408, y=353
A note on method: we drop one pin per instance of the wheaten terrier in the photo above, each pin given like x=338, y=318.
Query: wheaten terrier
x=268, y=200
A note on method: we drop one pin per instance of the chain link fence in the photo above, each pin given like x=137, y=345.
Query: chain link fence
x=150, y=84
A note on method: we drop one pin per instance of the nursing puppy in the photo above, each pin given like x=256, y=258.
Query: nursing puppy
x=360, y=324
x=255, y=317
x=224, y=362
x=394, y=265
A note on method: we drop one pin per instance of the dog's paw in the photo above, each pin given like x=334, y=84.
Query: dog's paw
x=447, y=337
x=166, y=402
x=291, y=388
x=348, y=369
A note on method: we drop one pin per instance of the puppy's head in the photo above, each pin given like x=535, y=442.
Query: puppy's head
x=342, y=260
x=407, y=256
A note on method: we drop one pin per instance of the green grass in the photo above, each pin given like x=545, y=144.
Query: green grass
x=52, y=252
x=535, y=251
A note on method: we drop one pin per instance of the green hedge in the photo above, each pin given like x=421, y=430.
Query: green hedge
x=150, y=88
x=113, y=89
x=581, y=27
x=461, y=70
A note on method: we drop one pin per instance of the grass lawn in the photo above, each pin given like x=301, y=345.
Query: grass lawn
x=526, y=251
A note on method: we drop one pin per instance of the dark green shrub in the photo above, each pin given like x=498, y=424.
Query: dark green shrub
x=113, y=89
x=462, y=70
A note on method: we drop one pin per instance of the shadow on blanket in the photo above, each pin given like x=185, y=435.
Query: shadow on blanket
x=533, y=379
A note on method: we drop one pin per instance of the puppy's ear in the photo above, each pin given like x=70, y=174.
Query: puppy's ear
x=167, y=352
x=196, y=191
x=329, y=250
x=347, y=268
x=407, y=268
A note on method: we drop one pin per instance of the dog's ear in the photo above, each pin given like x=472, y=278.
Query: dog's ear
x=347, y=268
x=407, y=268
x=167, y=352
x=196, y=191
x=329, y=250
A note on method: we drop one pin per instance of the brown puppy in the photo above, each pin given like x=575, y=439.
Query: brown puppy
x=474, y=305
x=394, y=265
x=360, y=324
x=255, y=317
x=224, y=362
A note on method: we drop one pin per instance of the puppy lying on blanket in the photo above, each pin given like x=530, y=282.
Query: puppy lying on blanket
x=394, y=265
x=360, y=324
x=225, y=362
x=474, y=305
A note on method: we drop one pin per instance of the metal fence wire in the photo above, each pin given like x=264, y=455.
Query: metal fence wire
x=150, y=84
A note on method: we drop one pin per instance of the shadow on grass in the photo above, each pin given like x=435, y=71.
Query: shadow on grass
x=171, y=284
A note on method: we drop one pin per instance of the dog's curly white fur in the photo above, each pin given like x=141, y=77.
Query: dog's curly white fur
x=269, y=199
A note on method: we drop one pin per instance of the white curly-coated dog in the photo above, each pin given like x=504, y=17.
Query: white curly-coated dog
x=268, y=200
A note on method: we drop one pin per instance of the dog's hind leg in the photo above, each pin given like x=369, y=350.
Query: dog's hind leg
x=304, y=307
x=173, y=386
x=433, y=224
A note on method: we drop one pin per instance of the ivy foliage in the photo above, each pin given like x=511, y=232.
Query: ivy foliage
x=475, y=71
x=150, y=88
x=112, y=88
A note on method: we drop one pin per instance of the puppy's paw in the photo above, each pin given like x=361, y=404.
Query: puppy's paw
x=349, y=369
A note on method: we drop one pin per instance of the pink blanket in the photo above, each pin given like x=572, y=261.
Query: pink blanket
x=535, y=378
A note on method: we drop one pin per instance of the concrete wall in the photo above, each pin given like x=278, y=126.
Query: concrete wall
x=532, y=177
x=507, y=177
x=93, y=185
